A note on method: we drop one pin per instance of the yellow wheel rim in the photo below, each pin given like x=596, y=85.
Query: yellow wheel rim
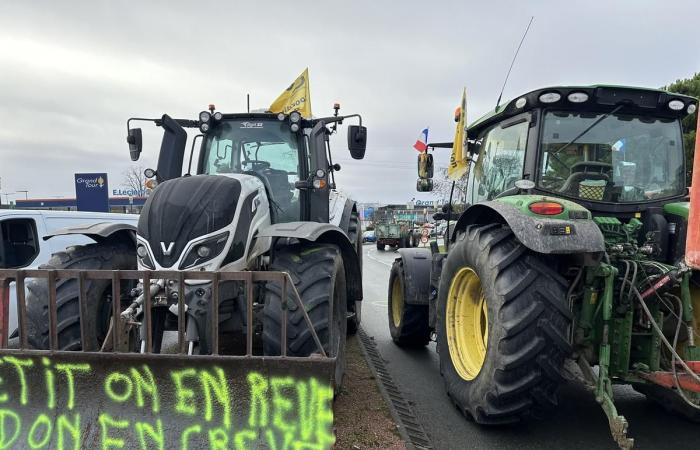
x=396, y=302
x=467, y=323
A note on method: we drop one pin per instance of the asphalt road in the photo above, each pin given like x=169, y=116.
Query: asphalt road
x=578, y=422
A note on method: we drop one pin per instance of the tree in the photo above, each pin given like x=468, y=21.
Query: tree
x=134, y=180
x=689, y=86
x=442, y=185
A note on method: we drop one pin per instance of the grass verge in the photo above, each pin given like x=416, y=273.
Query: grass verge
x=362, y=418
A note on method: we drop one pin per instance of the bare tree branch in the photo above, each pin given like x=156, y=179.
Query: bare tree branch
x=134, y=180
x=442, y=186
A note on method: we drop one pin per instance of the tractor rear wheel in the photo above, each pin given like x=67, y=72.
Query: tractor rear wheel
x=318, y=274
x=99, y=294
x=408, y=324
x=503, y=323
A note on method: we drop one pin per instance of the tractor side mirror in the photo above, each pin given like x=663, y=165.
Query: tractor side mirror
x=424, y=185
x=425, y=166
x=135, y=142
x=357, y=141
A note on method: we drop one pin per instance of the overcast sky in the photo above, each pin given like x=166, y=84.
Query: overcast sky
x=71, y=72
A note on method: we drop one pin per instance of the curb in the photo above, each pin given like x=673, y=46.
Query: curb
x=409, y=427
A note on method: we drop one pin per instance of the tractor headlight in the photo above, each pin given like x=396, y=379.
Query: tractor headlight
x=205, y=250
x=204, y=116
x=144, y=257
x=550, y=97
x=519, y=103
x=295, y=117
x=676, y=105
x=577, y=97
x=281, y=117
x=204, y=127
x=692, y=108
x=218, y=116
x=294, y=127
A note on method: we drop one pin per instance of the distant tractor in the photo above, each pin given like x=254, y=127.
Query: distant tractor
x=394, y=234
x=392, y=228
x=574, y=248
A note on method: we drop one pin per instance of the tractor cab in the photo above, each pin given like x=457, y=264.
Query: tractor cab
x=607, y=148
x=288, y=154
x=264, y=147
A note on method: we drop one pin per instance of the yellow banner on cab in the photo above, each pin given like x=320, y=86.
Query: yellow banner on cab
x=296, y=97
x=458, y=160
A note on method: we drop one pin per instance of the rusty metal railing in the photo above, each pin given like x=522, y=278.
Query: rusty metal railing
x=116, y=277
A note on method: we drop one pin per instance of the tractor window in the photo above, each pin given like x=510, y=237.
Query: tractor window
x=500, y=162
x=620, y=159
x=265, y=149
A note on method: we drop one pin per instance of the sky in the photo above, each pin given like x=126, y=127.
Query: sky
x=73, y=72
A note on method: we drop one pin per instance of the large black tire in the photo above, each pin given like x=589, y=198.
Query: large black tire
x=380, y=247
x=109, y=256
x=408, y=324
x=528, y=321
x=355, y=307
x=319, y=276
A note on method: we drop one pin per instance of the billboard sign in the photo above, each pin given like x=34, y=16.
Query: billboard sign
x=91, y=192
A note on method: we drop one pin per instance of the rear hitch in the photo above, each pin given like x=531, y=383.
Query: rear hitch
x=600, y=384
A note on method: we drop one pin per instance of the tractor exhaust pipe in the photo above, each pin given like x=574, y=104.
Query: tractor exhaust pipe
x=692, y=243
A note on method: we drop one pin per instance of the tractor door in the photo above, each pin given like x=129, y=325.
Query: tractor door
x=500, y=160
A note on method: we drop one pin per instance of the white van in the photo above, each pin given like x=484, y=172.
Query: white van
x=22, y=244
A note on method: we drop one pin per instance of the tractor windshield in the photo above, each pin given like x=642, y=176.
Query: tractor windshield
x=266, y=149
x=622, y=158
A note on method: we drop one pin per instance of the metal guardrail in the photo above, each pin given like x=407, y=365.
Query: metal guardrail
x=117, y=276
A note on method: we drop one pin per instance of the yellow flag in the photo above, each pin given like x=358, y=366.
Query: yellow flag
x=458, y=160
x=295, y=98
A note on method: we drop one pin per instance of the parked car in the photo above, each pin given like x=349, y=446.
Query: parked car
x=369, y=236
x=23, y=244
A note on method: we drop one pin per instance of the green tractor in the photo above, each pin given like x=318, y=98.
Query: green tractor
x=570, y=255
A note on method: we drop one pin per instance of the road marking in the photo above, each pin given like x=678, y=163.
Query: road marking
x=369, y=255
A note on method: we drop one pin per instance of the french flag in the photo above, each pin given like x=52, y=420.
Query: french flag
x=422, y=142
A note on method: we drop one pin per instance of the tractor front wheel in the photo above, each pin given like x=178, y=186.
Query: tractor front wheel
x=318, y=274
x=99, y=295
x=503, y=323
x=408, y=324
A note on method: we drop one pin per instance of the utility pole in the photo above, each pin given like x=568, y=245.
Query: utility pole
x=26, y=194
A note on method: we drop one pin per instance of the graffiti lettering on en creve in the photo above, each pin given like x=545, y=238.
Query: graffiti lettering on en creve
x=91, y=401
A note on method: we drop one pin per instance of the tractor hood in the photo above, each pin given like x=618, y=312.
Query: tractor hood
x=183, y=209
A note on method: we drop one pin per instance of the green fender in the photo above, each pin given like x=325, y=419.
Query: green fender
x=571, y=232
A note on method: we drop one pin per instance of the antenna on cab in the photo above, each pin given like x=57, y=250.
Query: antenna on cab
x=498, y=102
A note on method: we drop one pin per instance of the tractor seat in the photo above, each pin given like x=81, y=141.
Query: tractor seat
x=279, y=186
